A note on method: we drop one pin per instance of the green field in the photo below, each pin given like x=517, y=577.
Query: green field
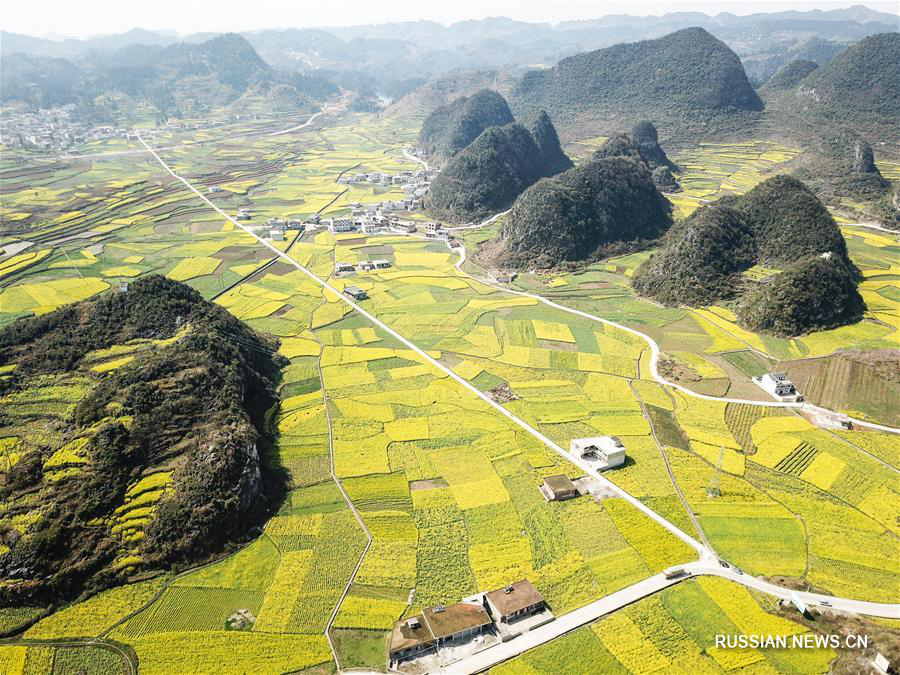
x=445, y=486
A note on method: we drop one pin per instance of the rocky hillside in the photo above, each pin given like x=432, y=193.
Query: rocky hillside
x=487, y=175
x=779, y=226
x=701, y=260
x=604, y=206
x=137, y=419
x=450, y=128
x=688, y=80
x=642, y=145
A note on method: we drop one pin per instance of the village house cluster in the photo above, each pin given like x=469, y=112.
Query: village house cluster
x=479, y=621
x=57, y=128
x=413, y=183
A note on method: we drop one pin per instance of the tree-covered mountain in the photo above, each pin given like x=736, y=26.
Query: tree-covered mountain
x=601, y=207
x=154, y=461
x=450, y=128
x=788, y=222
x=781, y=226
x=859, y=88
x=488, y=174
x=790, y=75
x=642, y=145
x=815, y=293
x=544, y=134
x=701, y=259
x=688, y=80
x=180, y=78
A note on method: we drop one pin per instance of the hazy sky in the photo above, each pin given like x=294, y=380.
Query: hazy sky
x=82, y=18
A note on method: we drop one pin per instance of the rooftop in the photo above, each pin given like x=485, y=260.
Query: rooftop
x=517, y=596
x=557, y=484
x=404, y=636
x=445, y=621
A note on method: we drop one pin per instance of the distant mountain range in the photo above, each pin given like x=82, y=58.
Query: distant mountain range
x=425, y=49
x=179, y=78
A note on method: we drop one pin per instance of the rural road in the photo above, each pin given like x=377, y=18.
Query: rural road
x=654, y=347
x=566, y=623
x=706, y=565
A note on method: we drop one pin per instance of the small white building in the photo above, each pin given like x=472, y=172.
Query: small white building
x=777, y=384
x=342, y=225
x=276, y=235
x=344, y=268
x=382, y=264
x=607, y=451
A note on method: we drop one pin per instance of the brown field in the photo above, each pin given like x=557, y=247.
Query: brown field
x=863, y=381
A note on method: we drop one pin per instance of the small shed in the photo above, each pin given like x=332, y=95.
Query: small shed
x=355, y=293
x=557, y=488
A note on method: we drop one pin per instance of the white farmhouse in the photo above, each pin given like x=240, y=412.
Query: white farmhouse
x=607, y=451
x=777, y=384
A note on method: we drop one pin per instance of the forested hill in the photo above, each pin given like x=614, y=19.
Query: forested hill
x=450, y=128
x=859, y=88
x=689, y=81
x=146, y=446
x=488, y=174
x=783, y=229
x=601, y=207
x=790, y=75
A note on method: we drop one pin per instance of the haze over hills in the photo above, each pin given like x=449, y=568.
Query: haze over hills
x=178, y=78
x=169, y=417
x=426, y=48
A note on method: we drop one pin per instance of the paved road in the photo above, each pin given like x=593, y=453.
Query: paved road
x=414, y=158
x=560, y=626
x=880, y=609
x=708, y=562
x=655, y=352
x=585, y=466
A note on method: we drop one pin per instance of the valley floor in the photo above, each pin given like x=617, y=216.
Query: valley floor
x=410, y=485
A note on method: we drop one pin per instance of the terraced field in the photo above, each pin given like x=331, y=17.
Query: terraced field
x=444, y=489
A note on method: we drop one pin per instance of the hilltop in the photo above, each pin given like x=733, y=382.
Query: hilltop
x=149, y=456
x=688, y=80
x=780, y=226
x=642, y=145
x=604, y=206
x=815, y=293
x=487, y=175
x=450, y=128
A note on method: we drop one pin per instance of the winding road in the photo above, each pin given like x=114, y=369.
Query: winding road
x=707, y=562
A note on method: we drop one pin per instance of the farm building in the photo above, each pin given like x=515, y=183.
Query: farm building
x=607, y=450
x=342, y=267
x=502, y=277
x=410, y=638
x=518, y=600
x=382, y=264
x=557, y=488
x=355, y=293
x=462, y=620
x=366, y=265
x=436, y=626
x=276, y=235
x=777, y=384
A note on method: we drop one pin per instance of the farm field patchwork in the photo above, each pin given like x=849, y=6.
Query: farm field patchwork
x=447, y=487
